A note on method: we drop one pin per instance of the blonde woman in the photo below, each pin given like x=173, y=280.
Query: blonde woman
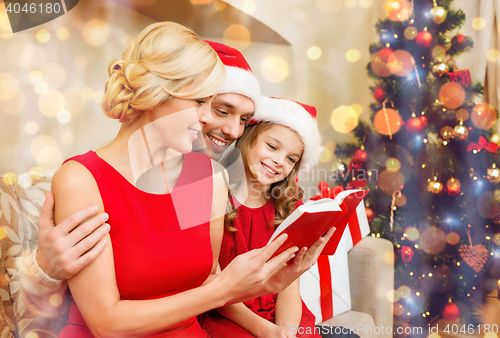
x=156, y=274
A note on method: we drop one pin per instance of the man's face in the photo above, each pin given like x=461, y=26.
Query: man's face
x=231, y=113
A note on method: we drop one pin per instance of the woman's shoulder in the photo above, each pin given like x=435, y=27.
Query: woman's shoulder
x=72, y=174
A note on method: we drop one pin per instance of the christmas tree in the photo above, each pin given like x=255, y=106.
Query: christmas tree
x=429, y=159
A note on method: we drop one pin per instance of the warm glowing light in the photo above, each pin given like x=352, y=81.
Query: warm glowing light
x=9, y=178
x=329, y=6
x=410, y=33
x=344, y=119
x=41, y=88
x=8, y=86
x=36, y=172
x=63, y=116
x=393, y=164
x=249, y=7
x=398, y=10
x=478, y=23
x=412, y=233
x=325, y=156
x=95, y=32
x=453, y=238
x=25, y=181
x=357, y=108
x=54, y=75
x=434, y=335
x=51, y=103
x=274, y=68
x=80, y=61
x=56, y=300
x=201, y=2
x=32, y=128
x=32, y=334
x=73, y=101
x=490, y=335
x=42, y=36
x=366, y=3
x=14, y=104
x=492, y=54
x=393, y=296
x=452, y=95
x=404, y=291
x=438, y=52
x=314, y=53
x=87, y=93
x=3, y=233
x=400, y=63
x=219, y=5
x=238, y=35
x=353, y=55
x=31, y=58
x=349, y=3
x=62, y=33
x=35, y=76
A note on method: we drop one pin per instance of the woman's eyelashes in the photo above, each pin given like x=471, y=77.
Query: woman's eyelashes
x=291, y=160
x=201, y=102
x=272, y=147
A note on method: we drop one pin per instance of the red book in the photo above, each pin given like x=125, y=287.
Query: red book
x=310, y=221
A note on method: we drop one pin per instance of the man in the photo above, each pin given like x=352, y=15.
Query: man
x=64, y=250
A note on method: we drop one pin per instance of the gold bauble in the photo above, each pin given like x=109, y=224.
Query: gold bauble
x=461, y=132
x=446, y=43
x=435, y=187
x=493, y=174
x=453, y=186
x=439, y=69
x=495, y=138
x=446, y=132
x=438, y=14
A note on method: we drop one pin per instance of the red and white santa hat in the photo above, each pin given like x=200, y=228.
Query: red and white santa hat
x=239, y=75
x=297, y=116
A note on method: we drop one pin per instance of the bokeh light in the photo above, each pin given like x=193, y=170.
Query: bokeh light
x=249, y=7
x=329, y=6
x=74, y=101
x=393, y=164
x=41, y=142
x=325, y=156
x=95, y=32
x=433, y=240
x=51, y=103
x=438, y=52
x=412, y=233
x=398, y=10
x=239, y=35
x=434, y=335
x=400, y=200
x=62, y=33
x=452, y=95
x=446, y=132
x=490, y=335
x=478, y=23
x=31, y=127
x=3, y=233
x=54, y=75
x=387, y=125
x=14, y=50
x=493, y=54
x=201, y=2
x=80, y=61
x=36, y=172
x=453, y=238
x=357, y=108
x=393, y=296
x=67, y=138
x=314, y=53
x=404, y=291
x=462, y=115
x=32, y=334
x=410, y=33
x=483, y=116
x=9, y=178
x=8, y=86
x=36, y=76
x=400, y=63
x=25, y=181
x=42, y=36
x=496, y=239
x=349, y=3
x=63, y=116
x=219, y=5
x=274, y=68
x=390, y=181
x=380, y=67
x=15, y=104
x=352, y=55
x=41, y=88
x=397, y=309
x=366, y=3
x=344, y=119
x=31, y=58
x=55, y=300
x=87, y=93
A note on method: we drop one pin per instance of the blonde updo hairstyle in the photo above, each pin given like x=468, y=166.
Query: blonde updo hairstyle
x=166, y=60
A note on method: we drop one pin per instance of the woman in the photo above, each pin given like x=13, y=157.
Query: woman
x=153, y=276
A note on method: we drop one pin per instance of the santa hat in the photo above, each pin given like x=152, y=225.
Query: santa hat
x=239, y=76
x=297, y=116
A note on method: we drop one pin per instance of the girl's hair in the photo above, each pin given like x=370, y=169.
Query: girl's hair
x=166, y=60
x=283, y=195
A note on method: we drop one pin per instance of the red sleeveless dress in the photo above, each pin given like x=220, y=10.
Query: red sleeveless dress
x=253, y=232
x=153, y=256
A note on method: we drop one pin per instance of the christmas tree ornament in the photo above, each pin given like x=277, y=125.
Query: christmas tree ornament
x=387, y=121
x=483, y=144
x=358, y=161
x=495, y=138
x=400, y=63
x=451, y=64
x=496, y=239
x=453, y=186
x=458, y=39
x=452, y=95
x=474, y=256
x=461, y=76
x=400, y=200
x=410, y=33
x=414, y=125
x=438, y=52
x=462, y=115
x=423, y=39
x=483, y=116
x=423, y=119
x=379, y=94
x=460, y=131
x=493, y=174
x=446, y=132
x=393, y=164
x=453, y=238
x=434, y=187
x=433, y=240
x=398, y=10
x=385, y=53
x=391, y=181
x=446, y=42
x=450, y=312
x=370, y=214
x=407, y=253
x=340, y=167
x=438, y=14
x=439, y=69
x=379, y=67
x=393, y=208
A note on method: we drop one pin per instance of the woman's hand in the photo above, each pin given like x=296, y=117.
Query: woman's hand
x=276, y=331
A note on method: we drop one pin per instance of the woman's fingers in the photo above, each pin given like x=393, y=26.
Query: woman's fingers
x=86, y=228
x=71, y=222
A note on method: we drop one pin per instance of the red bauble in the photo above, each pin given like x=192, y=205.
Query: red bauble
x=414, y=125
x=385, y=53
x=361, y=183
x=459, y=39
x=360, y=156
x=450, y=312
x=424, y=39
x=370, y=214
x=379, y=94
x=407, y=253
x=423, y=119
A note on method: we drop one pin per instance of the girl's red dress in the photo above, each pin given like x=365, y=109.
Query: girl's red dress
x=253, y=232
x=153, y=256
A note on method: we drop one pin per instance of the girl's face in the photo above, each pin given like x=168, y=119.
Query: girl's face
x=274, y=154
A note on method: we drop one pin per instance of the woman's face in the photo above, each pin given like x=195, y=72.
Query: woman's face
x=274, y=154
x=178, y=122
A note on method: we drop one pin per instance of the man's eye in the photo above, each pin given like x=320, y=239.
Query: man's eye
x=244, y=120
x=221, y=112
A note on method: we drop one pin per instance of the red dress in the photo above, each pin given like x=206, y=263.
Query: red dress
x=153, y=257
x=254, y=231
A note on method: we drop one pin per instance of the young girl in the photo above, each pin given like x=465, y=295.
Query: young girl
x=283, y=142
